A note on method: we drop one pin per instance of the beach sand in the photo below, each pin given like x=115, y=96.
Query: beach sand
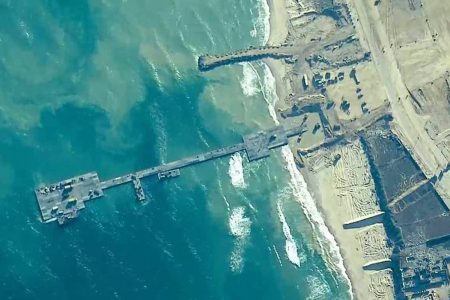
x=336, y=211
x=278, y=33
x=278, y=21
x=320, y=183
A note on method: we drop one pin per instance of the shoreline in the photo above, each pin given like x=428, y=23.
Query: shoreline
x=278, y=21
x=278, y=31
x=318, y=196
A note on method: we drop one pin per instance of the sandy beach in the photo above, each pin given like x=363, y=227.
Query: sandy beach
x=278, y=21
x=278, y=32
x=365, y=285
x=358, y=246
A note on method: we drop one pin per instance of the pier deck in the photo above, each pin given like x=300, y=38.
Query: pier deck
x=63, y=200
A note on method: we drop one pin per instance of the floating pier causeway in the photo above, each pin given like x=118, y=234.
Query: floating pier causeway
x=63, y=200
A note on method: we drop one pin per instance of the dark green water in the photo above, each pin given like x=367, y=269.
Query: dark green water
x=112, y=86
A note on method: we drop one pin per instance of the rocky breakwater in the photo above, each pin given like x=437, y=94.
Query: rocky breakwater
x=208, y=62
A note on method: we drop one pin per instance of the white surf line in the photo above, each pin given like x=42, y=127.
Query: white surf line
x=300, y=188
x=265, y=20
x=290, y=245
x=302, y=194
x=267, y=88
x=236, y=171
x=314, y=216
x=240, y=227
x=278, y=256
x=249, y=81
x=318, y=288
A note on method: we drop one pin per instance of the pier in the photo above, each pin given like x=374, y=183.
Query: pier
x=63, y=200
x=209, y=62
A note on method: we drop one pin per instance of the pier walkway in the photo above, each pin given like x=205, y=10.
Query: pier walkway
x=208, y=62
x=62, y=201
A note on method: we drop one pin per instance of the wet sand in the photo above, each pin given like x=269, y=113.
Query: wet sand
x=321, y=192
x=278, y=32
x=336, y=212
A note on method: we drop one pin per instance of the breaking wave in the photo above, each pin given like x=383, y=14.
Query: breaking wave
x=240, y=227
x=239, y=224
x=262, y=22
x=269, y=93
x=290, y=246
x=236, y=171
x=318, y=289
x=326, y=240
x=249, y=81
x=302, y=195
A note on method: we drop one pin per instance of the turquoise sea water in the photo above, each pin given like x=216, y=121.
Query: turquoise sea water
x=112, y=86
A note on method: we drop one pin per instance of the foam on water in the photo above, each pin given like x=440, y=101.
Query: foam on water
x=269, y=92
x=249, y=82
x=239, y=226
x=236, y=171
x=278, y=256
x=326, y=240
x=262, y=23
x=290, y=246
x=318, y=289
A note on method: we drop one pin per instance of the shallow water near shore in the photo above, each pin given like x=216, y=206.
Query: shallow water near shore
x=113, y=87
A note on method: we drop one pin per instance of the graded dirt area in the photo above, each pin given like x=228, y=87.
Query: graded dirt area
x=410, y=127
x=367, y=61
x=364, y=96
x=345, y=192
